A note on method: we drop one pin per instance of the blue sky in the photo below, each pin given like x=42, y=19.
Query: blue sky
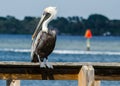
x=82, y=8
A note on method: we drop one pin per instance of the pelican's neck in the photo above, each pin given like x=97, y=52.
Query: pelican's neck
x=45, y=24
x=45, y=27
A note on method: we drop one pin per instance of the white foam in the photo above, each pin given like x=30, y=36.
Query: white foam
x=15, y=50
x=64, y=51
x=86, y=52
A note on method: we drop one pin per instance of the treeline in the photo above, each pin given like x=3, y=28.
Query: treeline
x=99, y=25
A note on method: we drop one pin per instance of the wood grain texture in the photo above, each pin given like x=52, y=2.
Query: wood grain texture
x=61, y=71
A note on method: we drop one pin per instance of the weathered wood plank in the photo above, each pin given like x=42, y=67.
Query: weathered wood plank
x=61, y=71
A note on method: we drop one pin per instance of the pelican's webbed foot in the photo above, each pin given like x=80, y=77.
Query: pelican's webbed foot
x=48, y=64
x=44, y=64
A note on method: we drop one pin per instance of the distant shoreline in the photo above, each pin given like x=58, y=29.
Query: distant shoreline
x=100, y=25
x=62, y=35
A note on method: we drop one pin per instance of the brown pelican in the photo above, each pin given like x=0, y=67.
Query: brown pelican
x=43, y=39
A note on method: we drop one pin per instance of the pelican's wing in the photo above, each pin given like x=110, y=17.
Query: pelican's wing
x=35, y=43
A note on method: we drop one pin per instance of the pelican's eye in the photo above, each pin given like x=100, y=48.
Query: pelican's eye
x=47, y=15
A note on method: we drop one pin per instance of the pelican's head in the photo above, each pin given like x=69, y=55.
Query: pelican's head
x=50, y=10
x=47, y=16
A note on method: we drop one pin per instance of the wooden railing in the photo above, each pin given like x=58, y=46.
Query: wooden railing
x=87, y=73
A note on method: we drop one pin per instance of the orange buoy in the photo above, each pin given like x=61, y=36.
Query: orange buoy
x=88, y=33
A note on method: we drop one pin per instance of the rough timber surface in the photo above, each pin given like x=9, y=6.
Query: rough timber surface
x=61, y=71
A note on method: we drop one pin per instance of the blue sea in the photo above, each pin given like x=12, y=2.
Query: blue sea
x=67, y=49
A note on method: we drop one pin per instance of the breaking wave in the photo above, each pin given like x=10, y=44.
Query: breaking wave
x=64, y=51
x=15, y=50
x=86, y=52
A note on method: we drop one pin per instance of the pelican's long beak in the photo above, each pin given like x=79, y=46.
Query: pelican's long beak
x=39, y=26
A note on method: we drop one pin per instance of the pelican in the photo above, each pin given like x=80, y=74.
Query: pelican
x=44, y=39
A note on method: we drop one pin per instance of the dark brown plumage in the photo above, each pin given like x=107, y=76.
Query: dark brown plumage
x=45, y=46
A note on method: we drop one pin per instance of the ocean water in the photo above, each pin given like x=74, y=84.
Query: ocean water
x=67, y=49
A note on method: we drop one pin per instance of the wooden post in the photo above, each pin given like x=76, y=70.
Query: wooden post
x=97, y=83
x=86, y=76
x=13, y=83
